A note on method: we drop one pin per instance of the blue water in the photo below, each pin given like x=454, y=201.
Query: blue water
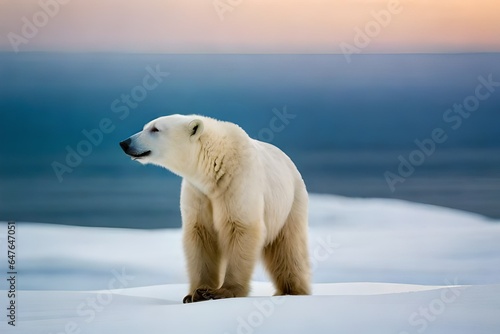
x=350, y=124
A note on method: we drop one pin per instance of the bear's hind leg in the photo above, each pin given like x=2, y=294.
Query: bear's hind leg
x=287, y=257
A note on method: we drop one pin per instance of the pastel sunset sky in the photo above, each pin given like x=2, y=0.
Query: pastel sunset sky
x=252, y=26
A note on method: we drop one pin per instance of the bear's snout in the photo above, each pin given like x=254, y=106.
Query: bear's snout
x=131, y=150
x=125, y=144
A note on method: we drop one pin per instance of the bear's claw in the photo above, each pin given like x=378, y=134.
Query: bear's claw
x=188, y=299
x=203, y=294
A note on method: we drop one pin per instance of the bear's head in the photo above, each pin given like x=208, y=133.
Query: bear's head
x=170, y=141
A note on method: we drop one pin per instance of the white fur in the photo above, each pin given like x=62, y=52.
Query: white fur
x=237, y=196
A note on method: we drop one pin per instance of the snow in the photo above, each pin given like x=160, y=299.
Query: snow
x=379, y=266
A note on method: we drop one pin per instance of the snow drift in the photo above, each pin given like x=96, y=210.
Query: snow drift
x=430, y=269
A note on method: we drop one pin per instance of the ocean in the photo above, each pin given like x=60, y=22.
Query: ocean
x=418, y=127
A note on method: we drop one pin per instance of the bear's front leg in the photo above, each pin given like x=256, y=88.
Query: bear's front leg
x=200, y=240
x=241, y=245
x=203, y=259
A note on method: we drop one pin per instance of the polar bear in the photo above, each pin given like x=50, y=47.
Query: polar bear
x=241, y=199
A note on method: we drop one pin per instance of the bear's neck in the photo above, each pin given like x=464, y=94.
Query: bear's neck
x=219, y=160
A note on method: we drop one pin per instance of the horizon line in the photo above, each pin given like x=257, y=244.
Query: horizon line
x=248, y=53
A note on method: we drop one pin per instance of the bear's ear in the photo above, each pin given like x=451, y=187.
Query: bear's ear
x=195, y=129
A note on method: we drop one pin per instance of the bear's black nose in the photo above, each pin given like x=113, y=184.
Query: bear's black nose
x=125, y=144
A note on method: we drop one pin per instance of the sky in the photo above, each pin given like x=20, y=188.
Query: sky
x=250, y=26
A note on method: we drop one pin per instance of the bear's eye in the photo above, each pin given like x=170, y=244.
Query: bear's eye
x=154, y=129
